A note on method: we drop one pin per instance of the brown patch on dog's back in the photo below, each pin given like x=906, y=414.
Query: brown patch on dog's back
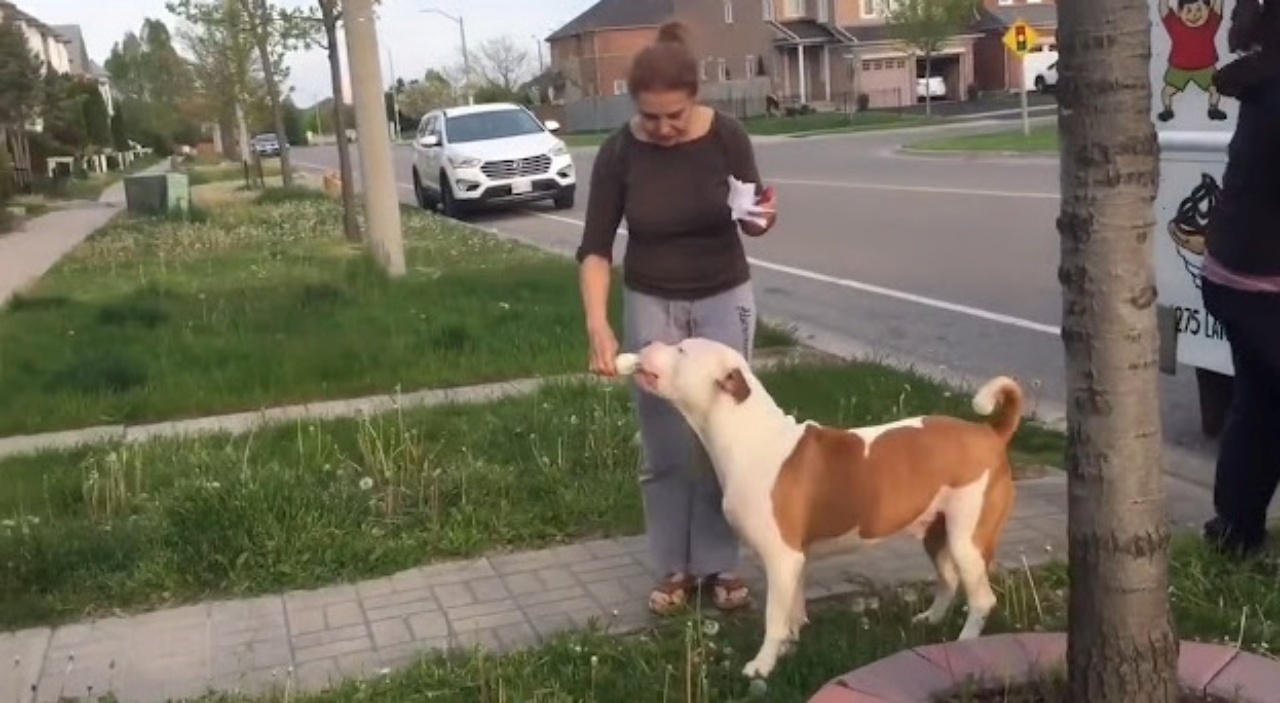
x=830, y=487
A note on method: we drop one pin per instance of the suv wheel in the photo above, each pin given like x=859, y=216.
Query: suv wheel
x=448, y=205
x=425, y=201
x=1042, y=86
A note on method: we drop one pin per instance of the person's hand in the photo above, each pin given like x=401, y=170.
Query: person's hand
x=768, y=201
x=604, y=349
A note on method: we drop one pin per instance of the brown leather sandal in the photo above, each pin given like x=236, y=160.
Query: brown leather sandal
x=671, y=595
x=729, y=592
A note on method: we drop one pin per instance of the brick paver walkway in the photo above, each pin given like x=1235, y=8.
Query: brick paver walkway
x=310, y=638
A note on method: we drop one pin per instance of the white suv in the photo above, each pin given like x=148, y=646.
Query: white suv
x=496, y=153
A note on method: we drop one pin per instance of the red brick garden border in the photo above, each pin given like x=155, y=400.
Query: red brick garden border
x=917, y=675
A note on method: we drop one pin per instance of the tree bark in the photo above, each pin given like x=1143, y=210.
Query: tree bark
x=259, y=23
x=350, y=225
x=1121, y=643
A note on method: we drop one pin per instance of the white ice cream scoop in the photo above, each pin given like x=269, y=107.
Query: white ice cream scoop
x=627, y=364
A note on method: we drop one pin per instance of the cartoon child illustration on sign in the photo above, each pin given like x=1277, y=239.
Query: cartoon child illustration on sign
x=1193, y=51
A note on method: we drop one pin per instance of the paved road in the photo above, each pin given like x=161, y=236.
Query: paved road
x=949, y=262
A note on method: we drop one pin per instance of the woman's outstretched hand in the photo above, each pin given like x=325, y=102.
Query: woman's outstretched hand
x=768, y=204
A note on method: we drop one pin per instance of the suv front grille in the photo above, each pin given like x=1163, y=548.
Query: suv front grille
x=516, y=168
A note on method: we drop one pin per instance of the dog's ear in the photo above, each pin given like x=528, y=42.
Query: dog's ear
x=735, y=384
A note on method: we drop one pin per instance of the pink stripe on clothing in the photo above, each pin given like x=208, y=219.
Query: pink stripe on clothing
x=1216, y=272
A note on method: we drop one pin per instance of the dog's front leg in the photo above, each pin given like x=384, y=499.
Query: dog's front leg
x=799, y=609
x=782, y=572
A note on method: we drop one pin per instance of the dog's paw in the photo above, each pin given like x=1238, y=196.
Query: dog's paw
x=758, y=668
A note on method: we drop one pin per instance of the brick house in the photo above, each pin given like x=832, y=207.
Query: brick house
x=819, y=52
x=593, y=52
x=994, y=67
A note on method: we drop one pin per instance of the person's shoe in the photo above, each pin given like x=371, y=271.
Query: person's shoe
x=1165, y=115
x=1229, y=541
x=1216, y=114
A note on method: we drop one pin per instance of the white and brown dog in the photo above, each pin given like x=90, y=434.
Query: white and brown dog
x=794, y=489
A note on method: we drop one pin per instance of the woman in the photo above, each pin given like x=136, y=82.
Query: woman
x=1241, y=281
x=685, y=274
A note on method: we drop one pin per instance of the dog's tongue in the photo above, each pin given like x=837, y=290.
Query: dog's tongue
x=627, y=364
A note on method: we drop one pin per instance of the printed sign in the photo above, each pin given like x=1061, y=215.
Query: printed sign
x=1188, y=44
x=1188, y=193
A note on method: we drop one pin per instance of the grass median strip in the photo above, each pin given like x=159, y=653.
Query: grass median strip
x=263, y=304
x=699, y=659
x=1042, y=140
x=145, y=525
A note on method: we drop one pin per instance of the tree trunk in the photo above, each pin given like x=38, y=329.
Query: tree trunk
x=259, y=24
x=350, y=225
x=1121, y=646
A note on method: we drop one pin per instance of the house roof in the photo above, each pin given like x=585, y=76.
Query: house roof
x=1001, y=17
x=8, y=9
x=617, y=14
x=869, y=33
x=805, y=30
x=75, y=46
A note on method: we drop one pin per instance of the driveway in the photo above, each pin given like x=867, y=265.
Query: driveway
x=948, y=262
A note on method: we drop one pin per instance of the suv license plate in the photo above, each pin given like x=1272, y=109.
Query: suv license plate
x=521, y=187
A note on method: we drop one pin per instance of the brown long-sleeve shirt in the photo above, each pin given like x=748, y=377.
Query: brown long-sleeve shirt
x=682, y=241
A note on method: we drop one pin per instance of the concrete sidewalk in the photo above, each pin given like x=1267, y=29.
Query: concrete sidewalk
x=28, y=254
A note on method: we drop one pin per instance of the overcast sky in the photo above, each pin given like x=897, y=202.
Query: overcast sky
x=416, y=40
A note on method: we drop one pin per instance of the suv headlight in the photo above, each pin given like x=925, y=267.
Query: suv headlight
x=558, y=150
x=457, y=161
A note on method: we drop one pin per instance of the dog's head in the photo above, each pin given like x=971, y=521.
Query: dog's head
x=696, y=375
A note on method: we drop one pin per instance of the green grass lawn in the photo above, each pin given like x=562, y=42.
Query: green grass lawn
x=698, y=659
x=800, y=124
x=200, y=173
x=146, y=525
x=1042, y=140
x=263, y=305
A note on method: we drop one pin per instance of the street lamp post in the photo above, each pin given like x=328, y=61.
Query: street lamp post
x=466, y=55
x=541, y=65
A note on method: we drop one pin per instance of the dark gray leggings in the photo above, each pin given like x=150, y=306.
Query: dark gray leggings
x=683, y=514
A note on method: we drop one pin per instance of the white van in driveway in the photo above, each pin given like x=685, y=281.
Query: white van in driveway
x=473, y=156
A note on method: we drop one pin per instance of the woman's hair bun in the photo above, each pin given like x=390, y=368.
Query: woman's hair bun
x=673, y=33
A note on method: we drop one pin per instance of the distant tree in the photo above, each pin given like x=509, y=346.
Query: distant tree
x=924, y=26
x=156, y=86
x=502, y=62
x=21, y=85
x=97, y=119
x=294, y=131
x=431, y=93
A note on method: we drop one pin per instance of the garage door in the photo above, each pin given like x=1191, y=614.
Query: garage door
x=885, y=80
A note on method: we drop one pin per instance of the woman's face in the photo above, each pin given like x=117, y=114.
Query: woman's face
x=665, y=115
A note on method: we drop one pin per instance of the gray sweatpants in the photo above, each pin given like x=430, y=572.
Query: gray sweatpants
x=684, y=518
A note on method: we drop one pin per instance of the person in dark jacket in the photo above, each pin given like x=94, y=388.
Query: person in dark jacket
x=1240, y=281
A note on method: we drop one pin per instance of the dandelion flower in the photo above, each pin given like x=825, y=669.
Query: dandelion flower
x=366, y=483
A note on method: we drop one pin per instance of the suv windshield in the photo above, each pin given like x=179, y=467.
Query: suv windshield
x=479, y=126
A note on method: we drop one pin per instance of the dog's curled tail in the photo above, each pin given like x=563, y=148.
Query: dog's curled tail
x=1003, y=395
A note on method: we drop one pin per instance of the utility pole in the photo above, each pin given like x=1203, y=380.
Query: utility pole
x=466, y=55
x=377, y=174
x=542, y=67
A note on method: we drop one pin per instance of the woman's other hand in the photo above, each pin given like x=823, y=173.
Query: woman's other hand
x=768, y=203
x=604, y=349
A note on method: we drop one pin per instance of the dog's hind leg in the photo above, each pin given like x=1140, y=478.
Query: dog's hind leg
x=799, y=609
x=944, y=594
x=964, y=511
x=783, y=567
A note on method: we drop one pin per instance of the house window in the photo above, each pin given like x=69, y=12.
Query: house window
x=824, y=10
x=751, y=65
x=770, y=12
x=728, y=11
x=869, y=8
x=619, y=86
x=900, y=63
x=795, y=8
x=1004, y=2
x=722, y=70
x=702, y=69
